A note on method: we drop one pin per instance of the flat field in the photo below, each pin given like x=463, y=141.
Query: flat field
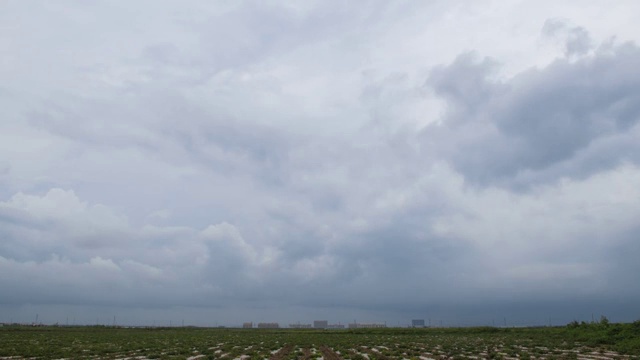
x=586, y=342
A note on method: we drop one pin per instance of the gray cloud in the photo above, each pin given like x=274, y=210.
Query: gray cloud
x=520, y=131
x=316, y=161
x=577, y=39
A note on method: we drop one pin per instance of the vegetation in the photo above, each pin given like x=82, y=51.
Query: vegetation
x=586, y=341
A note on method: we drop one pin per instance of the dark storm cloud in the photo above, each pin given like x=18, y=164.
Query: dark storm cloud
x=520, y=131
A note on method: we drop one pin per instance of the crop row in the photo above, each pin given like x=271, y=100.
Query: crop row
x=387, y=344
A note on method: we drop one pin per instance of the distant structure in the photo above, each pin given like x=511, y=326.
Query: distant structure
x=268, y=326
x=300, y=326
x=320, y=324
x=417, y=323
x=366, y=326
x=247, y=325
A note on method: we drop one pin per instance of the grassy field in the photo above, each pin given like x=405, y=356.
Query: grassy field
x=576, y=341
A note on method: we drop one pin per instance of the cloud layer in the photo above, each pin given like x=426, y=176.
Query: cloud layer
x=319, y=161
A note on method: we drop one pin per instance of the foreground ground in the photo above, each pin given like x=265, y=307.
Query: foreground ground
x=586, y=342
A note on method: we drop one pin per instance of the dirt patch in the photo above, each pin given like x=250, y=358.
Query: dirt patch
x=282, y=353
x=306, y=354
x=376, y=354
x=329, y=354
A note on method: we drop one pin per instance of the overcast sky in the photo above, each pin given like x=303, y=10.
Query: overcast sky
x=221, y=162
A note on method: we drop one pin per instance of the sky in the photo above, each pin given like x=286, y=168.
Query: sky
x=467, y=162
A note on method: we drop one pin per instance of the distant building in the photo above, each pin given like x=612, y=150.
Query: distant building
x=417, y=323
x=320, y=324
x=247, y=325
x=268, y=325
x=300, y=326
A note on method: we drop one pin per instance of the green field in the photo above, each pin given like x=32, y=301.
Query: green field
x=586, y=341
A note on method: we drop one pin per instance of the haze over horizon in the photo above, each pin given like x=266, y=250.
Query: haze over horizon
x=232, y=161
